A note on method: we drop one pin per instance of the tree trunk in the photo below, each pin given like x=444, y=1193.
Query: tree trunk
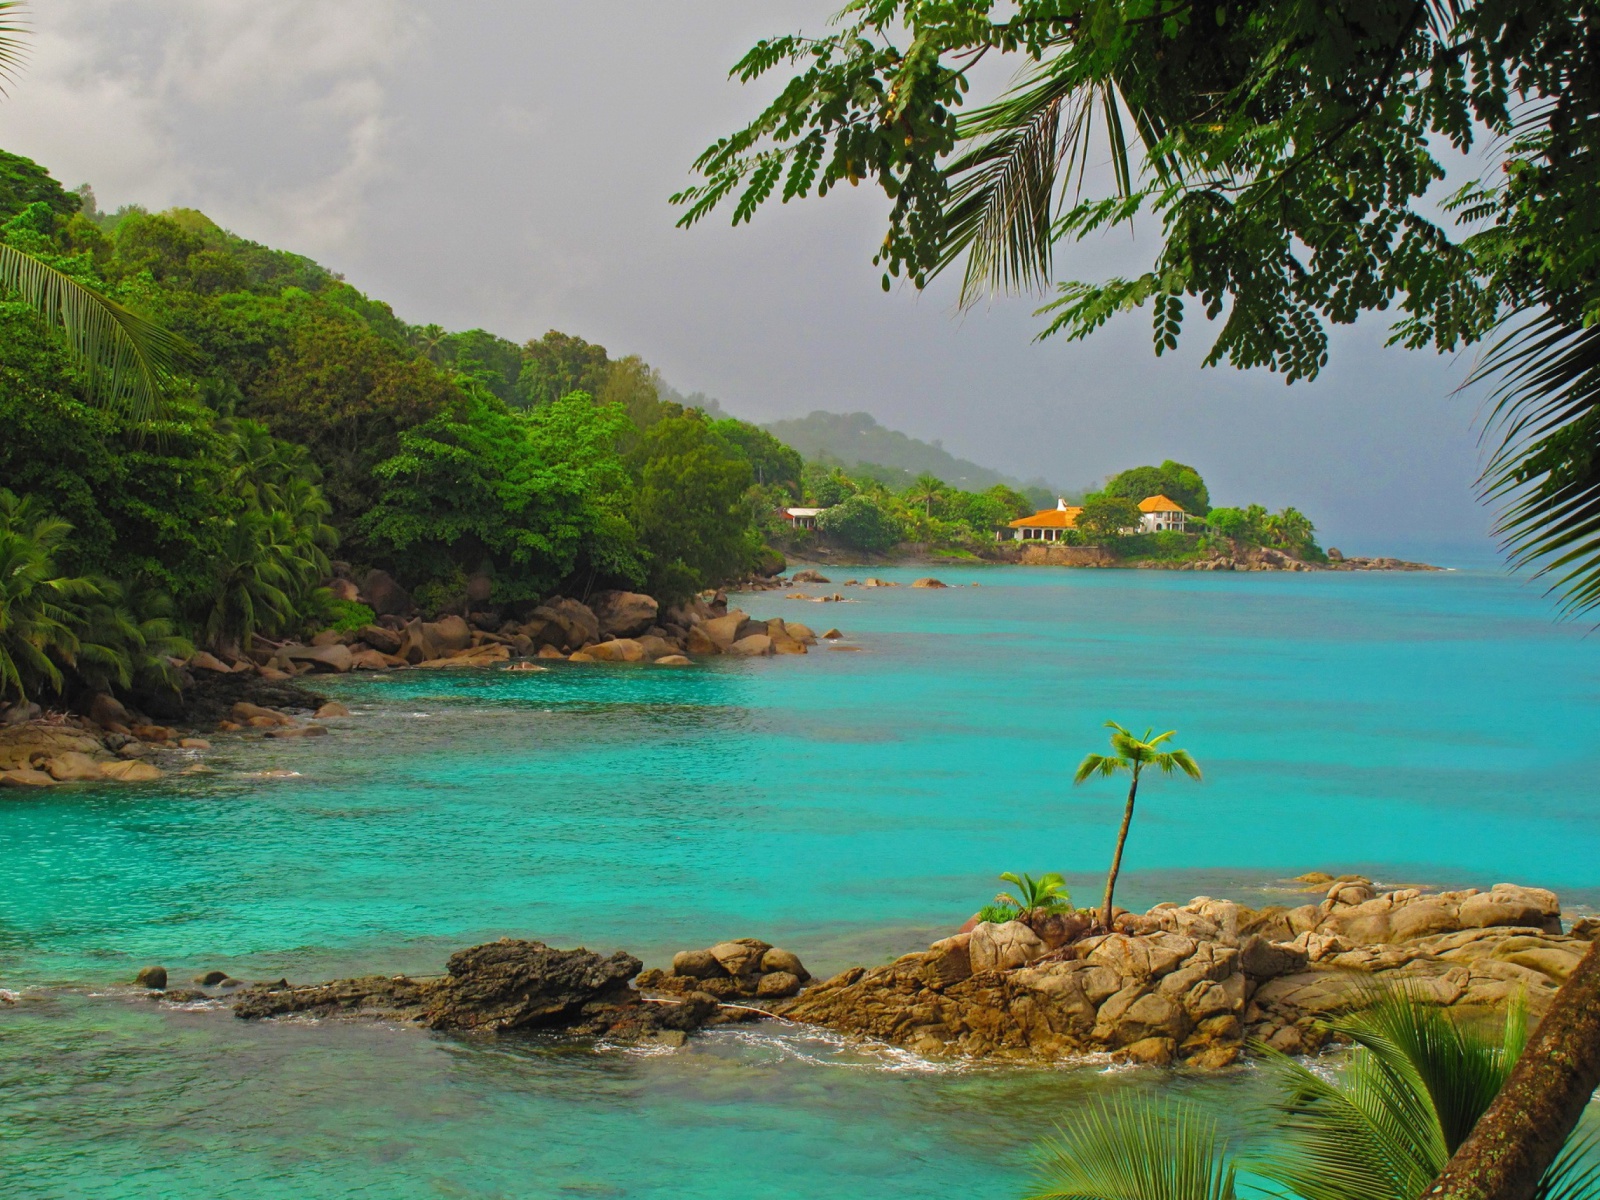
x=1524, y=1129
x=1116, y=859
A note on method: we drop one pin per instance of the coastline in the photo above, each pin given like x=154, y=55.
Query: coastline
x=1248, y=559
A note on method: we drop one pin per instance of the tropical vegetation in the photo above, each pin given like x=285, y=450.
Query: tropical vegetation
x=1293, y=158
x=1383, y=1128
x=1046, y=894
x=304, y=421
x=1132, y=756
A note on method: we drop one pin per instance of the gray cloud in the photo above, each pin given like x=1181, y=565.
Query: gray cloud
x=507, y=165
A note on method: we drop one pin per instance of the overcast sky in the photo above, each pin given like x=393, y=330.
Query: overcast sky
x=506, y=164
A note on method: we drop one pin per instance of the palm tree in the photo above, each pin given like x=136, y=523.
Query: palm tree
x=127, y=358
x=1415, y=1086
x=37, y=603
x=925, y=489
x=1133, y=755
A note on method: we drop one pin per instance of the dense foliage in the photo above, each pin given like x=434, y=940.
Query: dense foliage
x=308, y=420
x=1291, y=154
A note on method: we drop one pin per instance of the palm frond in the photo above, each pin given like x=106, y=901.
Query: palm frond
x=12, y=29
x=1022, y=153
x=1546, y=415
x=127, y=358
x=1413, y=1090
x=1098, y=764
x=1136, y=1149
x=1575, y=1174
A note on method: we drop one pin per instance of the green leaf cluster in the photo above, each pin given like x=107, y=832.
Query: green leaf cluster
x=1291, y=156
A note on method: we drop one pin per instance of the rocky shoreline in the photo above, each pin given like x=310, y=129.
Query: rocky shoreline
x=1055, y=554
x=1195, y=985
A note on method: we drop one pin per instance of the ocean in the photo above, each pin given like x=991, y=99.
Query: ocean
x=1431, y=729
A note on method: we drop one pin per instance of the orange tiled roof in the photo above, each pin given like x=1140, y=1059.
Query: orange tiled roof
x=1160, y=504
x=1049, y=518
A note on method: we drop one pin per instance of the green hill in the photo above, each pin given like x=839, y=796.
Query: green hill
x=858, y=443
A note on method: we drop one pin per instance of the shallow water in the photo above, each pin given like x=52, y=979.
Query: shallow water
x=1434, y=728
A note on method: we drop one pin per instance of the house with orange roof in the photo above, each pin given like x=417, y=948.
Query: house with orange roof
x=1161, y=515
x=1046, y=525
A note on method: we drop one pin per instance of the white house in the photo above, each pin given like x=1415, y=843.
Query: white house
x=801, y=518
x=1161, y=515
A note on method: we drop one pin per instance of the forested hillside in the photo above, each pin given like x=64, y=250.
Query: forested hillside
x=310, y=423
x=858, y=443
x=309, y=432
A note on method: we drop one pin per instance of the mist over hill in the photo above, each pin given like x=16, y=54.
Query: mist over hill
x=857, y=442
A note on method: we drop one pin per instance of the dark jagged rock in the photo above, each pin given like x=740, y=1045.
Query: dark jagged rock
x=499, y=987
x=211, y=696
x=520, y=985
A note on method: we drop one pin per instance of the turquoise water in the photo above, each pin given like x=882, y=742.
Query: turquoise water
x=1434, y=728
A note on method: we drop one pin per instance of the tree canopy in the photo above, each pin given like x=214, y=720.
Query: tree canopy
x=1291, y=155
x=1171, y=479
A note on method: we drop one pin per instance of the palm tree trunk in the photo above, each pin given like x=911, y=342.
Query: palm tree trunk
x=1116, y=859
x=1524, y=1129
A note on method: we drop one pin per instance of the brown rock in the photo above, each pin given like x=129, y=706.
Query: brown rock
x=74, y=766
x=25, y=777
x=549, y=652
x=335, y=658
x=832, y=635
x=723, y=631
x=154, y=978
x=106, y=710
x=617, y=650
x=574, y=622
x=756, y=645
x=1507, y=904
x=800, y=633
x=578, y=656
x=697, y=964
x=742, y=957
x=699, y=642
x=247, y=713
x=673, y=660
x=1150, y=1052
x=623, y=614
x=783, y=960
x=809, y=576
x=447, y=634
x=200, y=660
x=949, y=958
x=331, y=709
x=656, y=646
x=381, y=639
x=926, y=581
x=777, y=984
x=1261, y=959
x=999, y=947
x=131, y=771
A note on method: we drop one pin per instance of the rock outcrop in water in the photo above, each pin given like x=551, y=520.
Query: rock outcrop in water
x=500, y=987
x=740, y=969
x=1196, y=983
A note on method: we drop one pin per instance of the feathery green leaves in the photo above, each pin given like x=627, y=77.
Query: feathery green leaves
x=1125, y=1149
x=127, y=359
x=1131, y=755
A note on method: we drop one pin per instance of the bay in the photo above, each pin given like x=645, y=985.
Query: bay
x=850, y=805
